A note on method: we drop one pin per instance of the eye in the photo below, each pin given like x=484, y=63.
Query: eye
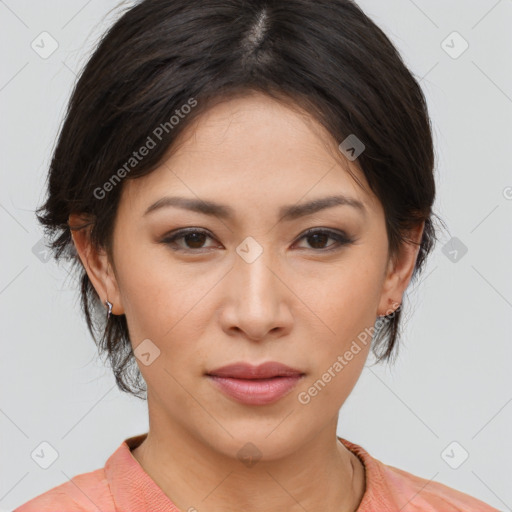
x=318, y=237
x=193, y=238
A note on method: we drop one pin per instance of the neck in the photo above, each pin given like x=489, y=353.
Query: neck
x=320, y=475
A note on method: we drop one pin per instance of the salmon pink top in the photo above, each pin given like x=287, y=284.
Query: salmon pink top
x=123, y=485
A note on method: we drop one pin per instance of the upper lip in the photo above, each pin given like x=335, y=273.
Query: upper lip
x=266, y=370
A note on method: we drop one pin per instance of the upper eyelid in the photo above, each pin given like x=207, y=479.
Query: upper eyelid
x=184, y=231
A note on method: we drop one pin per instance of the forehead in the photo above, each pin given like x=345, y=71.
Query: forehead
x=253, y=150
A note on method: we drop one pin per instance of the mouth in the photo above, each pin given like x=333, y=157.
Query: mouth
x=255, y=385
x=267, y=370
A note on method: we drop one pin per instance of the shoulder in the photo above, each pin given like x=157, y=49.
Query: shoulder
x=389, y=489
x=417, y=494
x=86, y=492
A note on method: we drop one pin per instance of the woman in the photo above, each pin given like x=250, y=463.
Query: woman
x=247, y=189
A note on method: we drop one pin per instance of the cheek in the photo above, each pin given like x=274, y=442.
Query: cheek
x=346, y=302
x=326, y=392
x=163, y=300
x=164, y=305
x=142, y=280
x=348, y=297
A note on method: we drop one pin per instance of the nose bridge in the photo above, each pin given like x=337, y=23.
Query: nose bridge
x=258, y=285
x=258, y=300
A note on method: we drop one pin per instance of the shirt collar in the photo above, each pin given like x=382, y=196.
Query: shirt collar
x=133, y=489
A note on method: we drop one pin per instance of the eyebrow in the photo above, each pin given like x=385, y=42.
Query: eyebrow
x=290, y=212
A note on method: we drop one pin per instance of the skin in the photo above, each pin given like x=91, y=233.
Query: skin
x=297, y=303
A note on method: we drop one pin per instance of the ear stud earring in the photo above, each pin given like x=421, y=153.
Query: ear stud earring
x=109, y=306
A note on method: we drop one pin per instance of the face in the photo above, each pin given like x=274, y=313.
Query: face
x=259, y=279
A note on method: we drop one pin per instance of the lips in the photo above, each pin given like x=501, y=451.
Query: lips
x=267, y=370
x=255, y=385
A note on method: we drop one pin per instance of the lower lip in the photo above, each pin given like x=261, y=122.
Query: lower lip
x=256, y=391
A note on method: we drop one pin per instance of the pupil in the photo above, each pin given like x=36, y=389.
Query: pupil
x=195, y=238
x=323, y=238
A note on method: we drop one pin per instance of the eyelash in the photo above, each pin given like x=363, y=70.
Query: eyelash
x=340, y=237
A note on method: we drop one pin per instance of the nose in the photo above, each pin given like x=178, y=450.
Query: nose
x=257, y=304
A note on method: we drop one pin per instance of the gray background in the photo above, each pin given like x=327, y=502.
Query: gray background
x=452, y=381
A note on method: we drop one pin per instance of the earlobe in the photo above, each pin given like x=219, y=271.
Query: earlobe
x=399, y=272
x=96, y=263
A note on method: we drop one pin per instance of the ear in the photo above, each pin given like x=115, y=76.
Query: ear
x=96, y=263
x=399, y=272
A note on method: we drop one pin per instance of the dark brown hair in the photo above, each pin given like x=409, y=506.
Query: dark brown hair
x=325, y=56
